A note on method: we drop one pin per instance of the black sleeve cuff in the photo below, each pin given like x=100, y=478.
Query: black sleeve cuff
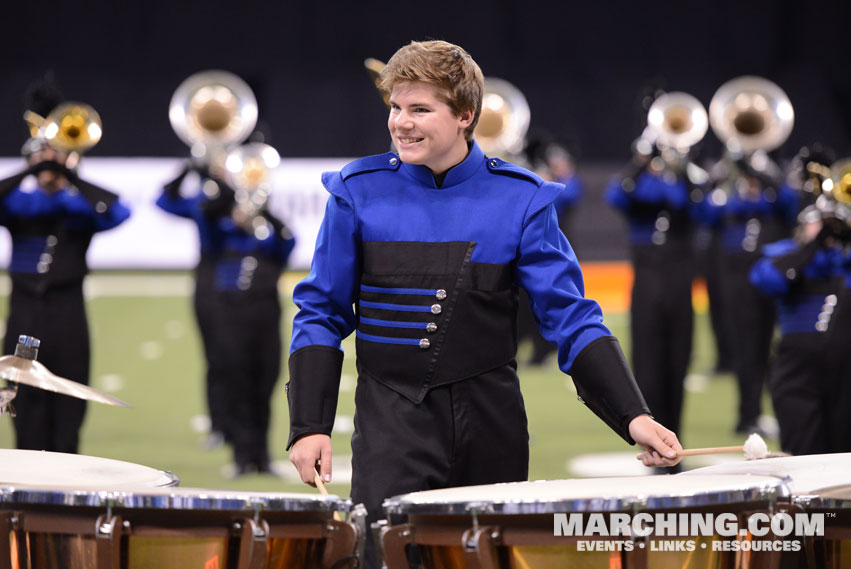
x=12, y=182
x=312, y=390
x=606, y=385
x=93, y=193
x=172, y=189
x=792, y=265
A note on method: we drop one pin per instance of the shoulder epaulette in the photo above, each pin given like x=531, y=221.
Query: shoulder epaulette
x=498, y=166
x=388, y=161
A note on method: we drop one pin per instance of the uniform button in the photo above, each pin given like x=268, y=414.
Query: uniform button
x=494, y=163
x=440, y=294
x=393, y=161
x=249, y=263
x=210, y=189
x=431, y=327
x=424, y=344
x=436, y=309
x=100, y=207
x=52, y=241
x=791, y=274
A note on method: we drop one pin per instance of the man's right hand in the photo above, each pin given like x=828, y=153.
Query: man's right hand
x=312, y=452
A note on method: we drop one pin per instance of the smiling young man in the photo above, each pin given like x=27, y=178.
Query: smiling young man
x=430, y=246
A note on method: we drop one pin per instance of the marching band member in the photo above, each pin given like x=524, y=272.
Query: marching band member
x=52, y=216
x=243, y=254
x=751, y=204
x=806, y=276
x=431, y=245
x=656, y=196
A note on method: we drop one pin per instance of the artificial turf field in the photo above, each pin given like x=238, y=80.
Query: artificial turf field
x=146, y=351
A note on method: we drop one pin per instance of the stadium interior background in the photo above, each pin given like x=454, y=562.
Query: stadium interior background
x=581, y=66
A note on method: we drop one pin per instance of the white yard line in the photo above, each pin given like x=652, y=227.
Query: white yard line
x=98, y=285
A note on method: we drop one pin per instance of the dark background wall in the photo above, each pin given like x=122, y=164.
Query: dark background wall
x=581, y=65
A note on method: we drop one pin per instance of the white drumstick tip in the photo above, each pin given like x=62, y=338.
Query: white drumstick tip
x=755, y=448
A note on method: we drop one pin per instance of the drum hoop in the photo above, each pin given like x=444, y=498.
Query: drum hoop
x=178, y=500
x=815, y=501
x=766, y=491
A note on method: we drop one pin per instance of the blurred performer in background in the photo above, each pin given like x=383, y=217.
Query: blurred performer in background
x=244, y=250
x=806, y=275
x=52, y=215
x=751, y=205
x=656, y=197
x=550, y=159
x=210, y=111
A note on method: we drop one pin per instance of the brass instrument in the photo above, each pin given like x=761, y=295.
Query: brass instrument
x=678, y=121
x=248, y=171
x=211, y=111
x=504, y=121
x=373, y=68
x=751, y=113
x=839, y=183
x=72, y=127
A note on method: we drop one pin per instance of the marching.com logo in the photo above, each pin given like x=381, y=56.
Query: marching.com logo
x=781, y=530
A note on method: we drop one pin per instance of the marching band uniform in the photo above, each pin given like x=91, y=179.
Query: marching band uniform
x=51, y=232
x=810, y=399
x=763, y=213
x=659, y=213
x=239, y=314
x=433, y=268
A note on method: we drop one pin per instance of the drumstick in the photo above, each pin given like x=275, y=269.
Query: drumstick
x=754, y=448
x=319, y=484
x=709, y=450
x=323, y=490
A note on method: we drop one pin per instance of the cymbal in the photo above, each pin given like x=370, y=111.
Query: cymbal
x=33, y=373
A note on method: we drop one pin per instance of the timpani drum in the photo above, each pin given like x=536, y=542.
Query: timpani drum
x=79, y=512
x=817, y=484
x=525, y=524
x=171, y=528
x=41, y=468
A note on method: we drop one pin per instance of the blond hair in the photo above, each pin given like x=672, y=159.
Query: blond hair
x=448, y=67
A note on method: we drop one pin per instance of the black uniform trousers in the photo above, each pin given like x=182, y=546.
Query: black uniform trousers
x=469, y=432
x=661, y=320
x=57, y=317
x=215, y=385
x=811, y=400
x=709, y=256
x=751, y=316
x=245, y=355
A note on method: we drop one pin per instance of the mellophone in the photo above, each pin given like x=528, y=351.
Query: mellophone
x=71, y=511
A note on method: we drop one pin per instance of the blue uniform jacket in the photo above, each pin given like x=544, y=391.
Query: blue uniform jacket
x=428, y=277
x=51, y=233
x=644, y=205
x=227, y=246
x=806, y=295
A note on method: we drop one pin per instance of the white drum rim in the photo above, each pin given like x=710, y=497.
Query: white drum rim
x=802, y=474
x=757, y=489
x=50, y=469
x=143, y=498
